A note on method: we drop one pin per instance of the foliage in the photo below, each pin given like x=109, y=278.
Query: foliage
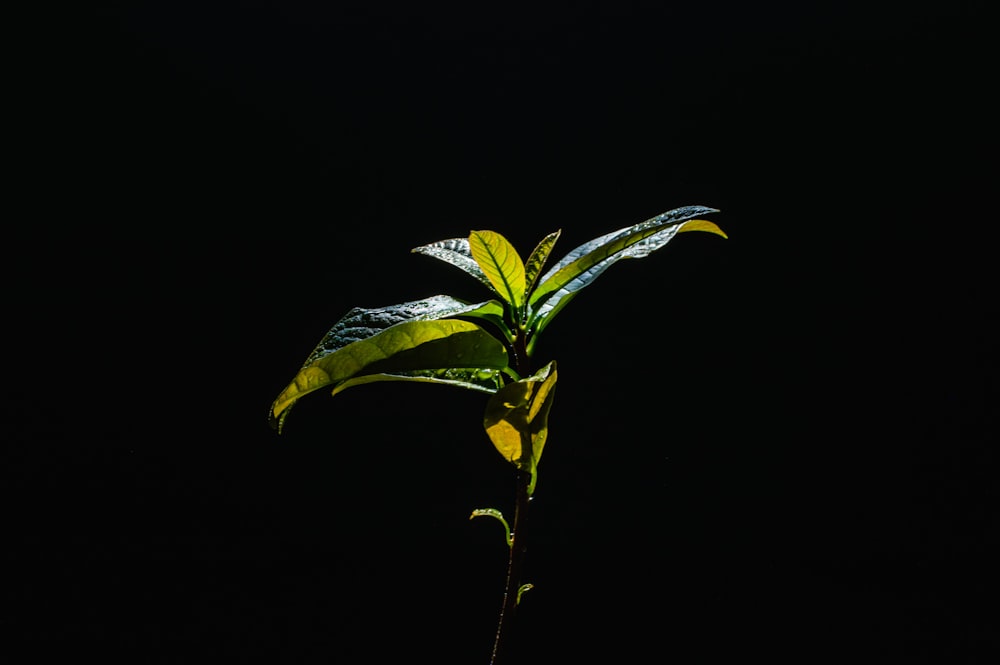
x=481, y=346
x=486, y=346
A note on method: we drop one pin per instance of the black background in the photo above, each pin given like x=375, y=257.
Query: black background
x=778, y=446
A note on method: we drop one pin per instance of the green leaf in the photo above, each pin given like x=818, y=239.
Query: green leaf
x=585, y=263
x=493, y=512
x=502, y=265
x=537, y=258
x=481, y=379
x=516, y=419
x=399, y=343
x=491, y=311
x=362, y=323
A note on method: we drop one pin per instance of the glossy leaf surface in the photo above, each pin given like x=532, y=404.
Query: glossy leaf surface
x=491, y=311
x=537, y=258
x=455, y=251
x=361, y=323
x=584, y=264
x=405, y=342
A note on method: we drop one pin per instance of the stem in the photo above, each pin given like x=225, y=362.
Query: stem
x=515, y=563
x=518, y=543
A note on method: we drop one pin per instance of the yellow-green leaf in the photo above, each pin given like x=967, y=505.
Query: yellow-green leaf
x=516, y=419
x=501, y=264
x=702, y=225
x=401, y=352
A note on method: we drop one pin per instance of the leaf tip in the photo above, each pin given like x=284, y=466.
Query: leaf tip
x=702, y=225
x=277, y=414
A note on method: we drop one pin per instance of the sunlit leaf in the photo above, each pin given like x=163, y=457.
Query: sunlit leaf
x=362, y=323
x=585, y=263
x=501, y=264
x=516, y=419
x=409, y=351
x=701, y=225
x=456, y=252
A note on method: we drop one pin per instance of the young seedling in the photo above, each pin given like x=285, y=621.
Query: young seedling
x=486, y=346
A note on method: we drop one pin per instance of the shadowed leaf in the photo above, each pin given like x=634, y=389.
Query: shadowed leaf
x=537, y=258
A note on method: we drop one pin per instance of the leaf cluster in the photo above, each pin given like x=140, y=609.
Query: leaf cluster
x=485, y=346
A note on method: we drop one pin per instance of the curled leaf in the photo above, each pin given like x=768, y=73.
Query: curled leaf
x=493, y=512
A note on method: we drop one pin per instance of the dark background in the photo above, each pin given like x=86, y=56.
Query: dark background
x=779, y=446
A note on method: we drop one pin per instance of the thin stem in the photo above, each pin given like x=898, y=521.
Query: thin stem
x=519, y=533
x=515, y=563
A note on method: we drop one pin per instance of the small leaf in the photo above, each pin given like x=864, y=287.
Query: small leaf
x=516, y=419
x=521, y=589
x=536, y=260
x=493, y=512
x=501, y=264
